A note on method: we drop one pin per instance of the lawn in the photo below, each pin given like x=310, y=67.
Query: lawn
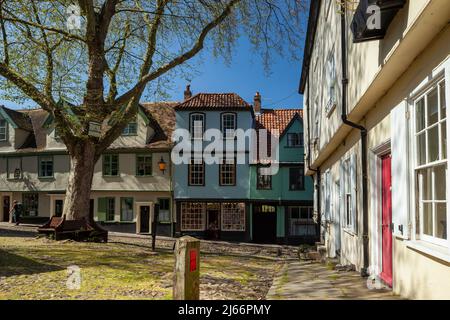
x=36, y=268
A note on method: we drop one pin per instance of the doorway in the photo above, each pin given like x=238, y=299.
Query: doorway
x=265, y=223
x=144, y=214
x=59, y=206
x=213, y=227
x=6, y=204
x=386, y=220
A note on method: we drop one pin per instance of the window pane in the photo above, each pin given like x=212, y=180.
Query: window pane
x=444, y=140
x=439, y=182
x=428, y=219
x=425, y=176
x=433, y=144
x=441, y=220
x=420, y=115
x=421, y=154
x=442, y=98
x=432, y=107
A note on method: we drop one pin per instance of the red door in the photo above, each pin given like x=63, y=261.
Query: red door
x=386, y=220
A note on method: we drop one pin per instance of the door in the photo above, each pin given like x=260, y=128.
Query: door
x=144, y=212
x=386, y=220
x=213, y=226
x=265, y=224
x=6, y=202
x=59, y=207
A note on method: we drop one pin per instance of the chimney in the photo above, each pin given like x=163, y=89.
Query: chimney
x=257, y=103
x=187, y=92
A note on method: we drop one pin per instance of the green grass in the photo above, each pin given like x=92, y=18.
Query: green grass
x=33, y=268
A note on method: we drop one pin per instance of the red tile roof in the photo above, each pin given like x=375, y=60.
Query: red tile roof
x=215, y=101
x=279, y=119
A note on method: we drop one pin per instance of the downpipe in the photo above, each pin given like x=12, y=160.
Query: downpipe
x=363, y=131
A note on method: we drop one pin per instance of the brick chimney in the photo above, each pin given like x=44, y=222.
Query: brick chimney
x=257, y=103
x=187, y=92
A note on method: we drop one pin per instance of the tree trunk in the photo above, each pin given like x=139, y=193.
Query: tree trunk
x=82, y=162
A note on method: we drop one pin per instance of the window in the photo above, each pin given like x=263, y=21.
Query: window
x=126, y=209
x=233, y=217
x=30, y=203
x=197, y=125
x=228, y=123
x=46, y=167
x=164, y=210
x=14, y=166
x=264, y=182
x=56, y=133
x=110, y=209
x=331, y=82
x=193, y=216
x=295, y=140
x=130, y=129
x=196, y=173
x=301, y=221
x=296, y=178
x=144, y=165
x=431, y=163
x=110, y=165
x=227, y=172
x=3, y=130
x=348, y=192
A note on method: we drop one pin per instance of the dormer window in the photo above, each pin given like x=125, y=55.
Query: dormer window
x=197, y=122
x=295, y=140
x=228, y=122
x=130, y=129
x=3, y=130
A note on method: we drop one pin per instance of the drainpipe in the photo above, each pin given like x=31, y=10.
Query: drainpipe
x=363, y=131
x=308, y=160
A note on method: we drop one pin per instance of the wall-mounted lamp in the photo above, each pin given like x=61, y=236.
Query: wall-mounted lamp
x=162, y=165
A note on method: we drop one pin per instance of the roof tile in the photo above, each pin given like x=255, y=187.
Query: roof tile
x=214, y=101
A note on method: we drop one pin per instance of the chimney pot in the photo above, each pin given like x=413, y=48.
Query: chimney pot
x=257, y=103
x=187, y=92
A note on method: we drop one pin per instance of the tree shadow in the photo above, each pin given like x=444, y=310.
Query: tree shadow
x=18, y=233
x=12, y=265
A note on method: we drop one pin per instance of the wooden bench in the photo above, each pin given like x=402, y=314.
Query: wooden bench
x=78, y=230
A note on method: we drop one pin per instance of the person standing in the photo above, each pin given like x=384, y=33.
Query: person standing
x=16, y=212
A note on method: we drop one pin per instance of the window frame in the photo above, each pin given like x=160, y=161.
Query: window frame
x=309, y=222
x=302, y=168
x=40, y=159
x=418, y=214
x=299, y=139
x=221, y=171
x=126, y=130
x=122, y=207
x=202, y=207
x=331, y=80
x=170, y=210
x=258, y=175
x=242, y=218
x=190, y=173
x=145, y=156
x=192, y=127
x=25, y=206
x=5, y=128
x=222, y=126
x=110, y=155
x=107, y=208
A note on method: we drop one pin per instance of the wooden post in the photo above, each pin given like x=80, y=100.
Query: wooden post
x=154, y=224
x=186, y=284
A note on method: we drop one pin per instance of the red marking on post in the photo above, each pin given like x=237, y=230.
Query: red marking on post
x=193, y=260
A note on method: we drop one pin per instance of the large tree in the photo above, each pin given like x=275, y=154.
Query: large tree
x=121, y=49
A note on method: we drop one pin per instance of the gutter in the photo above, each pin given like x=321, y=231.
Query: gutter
x=363, y=130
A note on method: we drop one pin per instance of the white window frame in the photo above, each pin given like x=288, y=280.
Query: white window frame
x=331, y=82
x=3, y=130
x=202, y=225
x=223, y=212
x=441, y=74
